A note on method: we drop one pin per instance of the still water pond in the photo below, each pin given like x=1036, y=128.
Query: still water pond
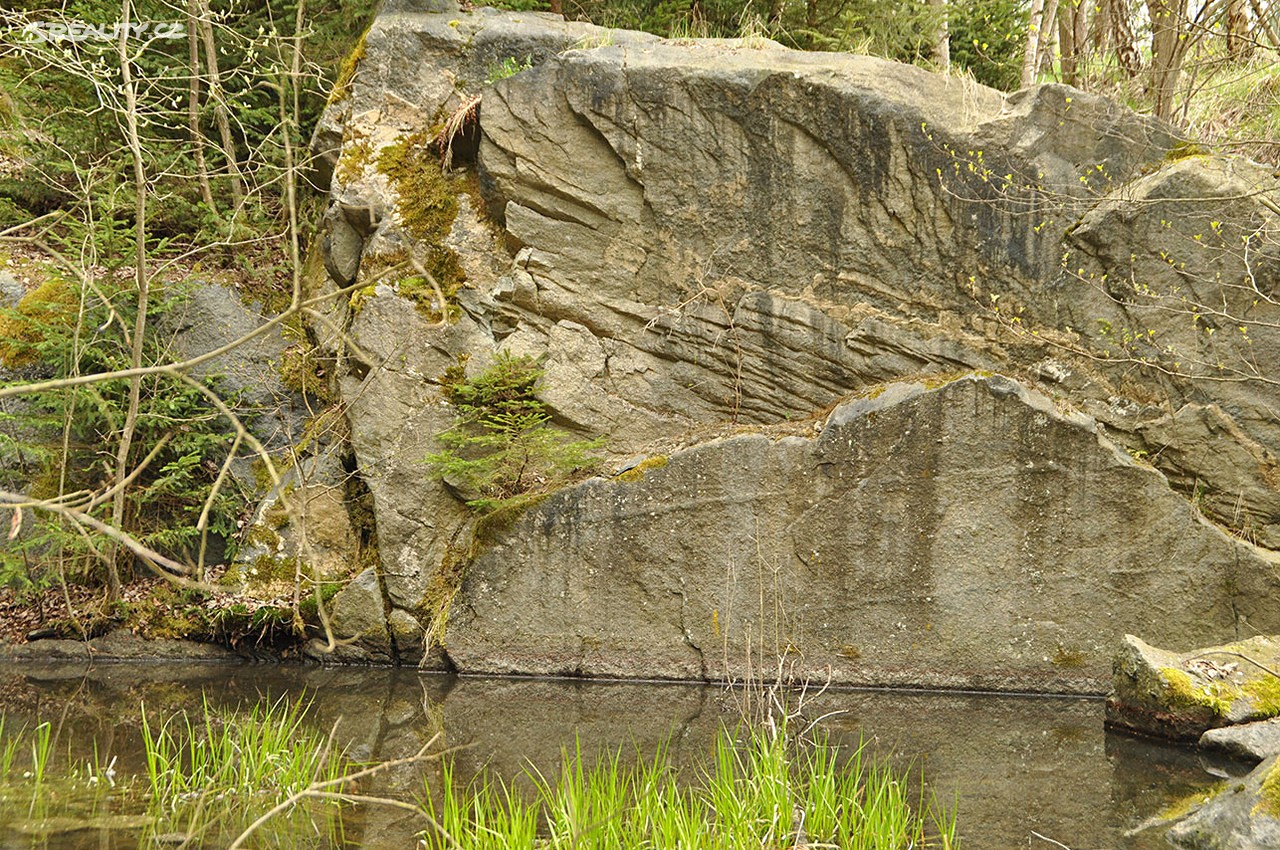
x=1015, y=766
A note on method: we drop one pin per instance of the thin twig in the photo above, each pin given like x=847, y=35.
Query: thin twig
x=316, y=789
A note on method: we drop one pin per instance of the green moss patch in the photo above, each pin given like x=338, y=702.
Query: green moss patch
x=1180, y=807
x=303, y=371
x=637, y=472
x=357, y=155
x=1186, y=149
x=1264, y=693
x=1269, y=795
x=427, y=205
x=347, y=70
x=1183, y=693
x=53, y=304
x=425, y=201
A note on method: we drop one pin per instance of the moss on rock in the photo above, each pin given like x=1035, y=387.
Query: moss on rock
x=425, y=201
x=347, y=70
x=637, y=472
x=53, y=303
x=1183, y=692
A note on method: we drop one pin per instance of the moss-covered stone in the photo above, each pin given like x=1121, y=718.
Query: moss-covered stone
x=347, y=71
x=1264, y=694
x=1185, y=693
x=53, y=303
x=638, y=471
x=357, y=156
x=1069, y=658
x=303, y=370
x=1179, y=807
x=425, y=202
x=1186, y=149
x=1269, y=796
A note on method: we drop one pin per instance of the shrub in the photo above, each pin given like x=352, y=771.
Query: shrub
x=61, y=443
x=502, y=445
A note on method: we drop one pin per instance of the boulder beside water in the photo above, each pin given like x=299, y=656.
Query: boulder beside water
x=1227, y=696
x=1182, y=695
x=1244, y=815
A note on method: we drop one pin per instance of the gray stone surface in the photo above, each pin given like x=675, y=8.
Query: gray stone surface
x=969, y=536
x=359, y=611
x=119, y=645
x=1248, y=741
x=249, y=376
x=11, y=290
x=1242, y=817
x=702, y=235
x=305, y=519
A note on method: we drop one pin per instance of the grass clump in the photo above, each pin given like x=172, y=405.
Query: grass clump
x=507, y=68
x=40, y=781
x=1236, y=109
x=767, y=791
x=209, y=776
x=206, y=778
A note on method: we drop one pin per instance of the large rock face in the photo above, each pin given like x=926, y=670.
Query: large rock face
x=696, y=236
x=905, y=544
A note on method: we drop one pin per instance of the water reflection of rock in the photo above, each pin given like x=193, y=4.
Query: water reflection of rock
x=1016, y=765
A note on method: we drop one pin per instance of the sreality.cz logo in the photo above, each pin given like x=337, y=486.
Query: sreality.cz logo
x=56, y=31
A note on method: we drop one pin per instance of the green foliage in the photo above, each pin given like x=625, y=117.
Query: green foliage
x=986, y=35
x=765, y=792
x=987, y=39
x=217, y=771
x=508, y=67
x=65, y=149
x=65, y=440
x=502, y=445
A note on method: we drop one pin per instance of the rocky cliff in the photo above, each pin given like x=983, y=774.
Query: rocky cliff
x=937, y=386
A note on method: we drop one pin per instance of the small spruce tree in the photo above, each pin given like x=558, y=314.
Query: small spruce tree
x=502, y=445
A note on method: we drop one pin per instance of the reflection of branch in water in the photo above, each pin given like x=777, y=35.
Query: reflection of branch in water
x=317, y=791
x=1050, y=840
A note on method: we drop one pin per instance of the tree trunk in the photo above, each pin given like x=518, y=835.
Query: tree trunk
x=1239, y=44
x=1168, y=45
x=1071, y=40
x=1029, y=54
x=1048, y=28
x=193, y=109
x=133, y=141
x=1120, y=32
x=941, y=36
x=221, y=118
